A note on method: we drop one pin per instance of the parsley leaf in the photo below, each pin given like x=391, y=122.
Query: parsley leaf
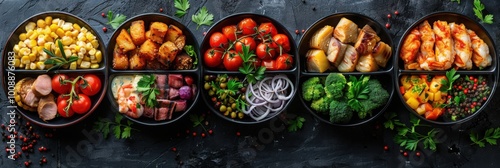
x=115, y=21
x=458, y=1
x=451, y=77
x=197, y=120
x=182, y=6
x=478, y=11
x=190, y=51
x=407, y=136
x=203, y=17
x=146, y=86
x=295, y=124
x=491, y=136
x=252, y=75
x=104, y=126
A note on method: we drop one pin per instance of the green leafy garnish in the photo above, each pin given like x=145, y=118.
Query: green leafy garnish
x=203, y=17
x=57, y=61
x=190, y=51
x=408, y=137
x=121, y=131
x=392, y=122
x=252, y=75
x=146, y=86
x=478, y=11
x=491, y=136
x=357, y=90
x=451, y=77
x=295, y=124
x=197, y=120
x=458, y=1
x=182, y=6
x=115, y=21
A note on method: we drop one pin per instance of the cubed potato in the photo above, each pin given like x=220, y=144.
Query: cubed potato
x=321, y=38
x=158, y=31
x=431, y=96
x=437, y=96
x=167, y=53
x=413, y=103
x=180, y=42
x=124, y=41
x=148, y=50
x=409, y=94
x=405, y=81
x=421, y=109
x=346, y=31
x=120, y=59
x=317, y=61
x=138, y=32
x=173, y=33
x=136, y=61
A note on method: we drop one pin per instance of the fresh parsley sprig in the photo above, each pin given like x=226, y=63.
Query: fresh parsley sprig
x=458, y=1
x=182, y=6
x=121, y=131
x=451, y=77
x=295, y=124
x=478, y=11
x=56, y=61
x=248, y=68
x=357, y=90
x=115, y=21
x=203, y=17
x=190, y=51
x=146, y=86
x=408, y=137
x=197, y=120
x=491, y=136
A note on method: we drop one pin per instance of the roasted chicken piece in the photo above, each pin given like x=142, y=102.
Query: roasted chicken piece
x=346, y=31
x=443, y=46
x=382, y=53
x=411, y=46
x=138, y=32
x=148, y=50
x=462, y=46
x=47, y=108
x=124, y=41
x=367, y=39
x=321, y=38
x=120, y=59
x=350, y=60
x=481, y=53
x=426, y=55
x=336, y=50
x=167, y=53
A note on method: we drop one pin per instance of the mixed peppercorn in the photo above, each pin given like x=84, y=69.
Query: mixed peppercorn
x=468, y=94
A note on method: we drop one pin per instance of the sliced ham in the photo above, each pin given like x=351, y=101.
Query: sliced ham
x=42, y=85
x=175, y=80
x=47, y=108
x=180, y=105
x=165, y=110
x=31, y=99
x=173, y=94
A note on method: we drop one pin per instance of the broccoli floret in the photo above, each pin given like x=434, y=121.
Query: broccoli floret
x=335, y=78
x=334, y=85
x=377, y=97
x=340, y=112
x=312, y=89
x=321, y=105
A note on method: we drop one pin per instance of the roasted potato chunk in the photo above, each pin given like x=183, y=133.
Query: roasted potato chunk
x=167, y=53
x=158, y=31
x=120, y=59
x=138, y=32
x=173, y=33
x=136, y=61
x=180, y=42
x=124, y=41
x=148, y=50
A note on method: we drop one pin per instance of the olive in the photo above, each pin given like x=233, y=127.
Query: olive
x=231, y=101
x=233, y=114
x=243, y=98
x=241, y=115
x=233, y=105
x=222, y=79
x=226, y=113
x=223, y=85
x=206, y=86
x=222, y=108
x=236, y=78
x=229, y=109
x=206, y=77
x=211, y=92
x=243, y=89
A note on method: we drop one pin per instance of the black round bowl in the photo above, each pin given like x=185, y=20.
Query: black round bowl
x=382, y=74
x=18, y=74
x=233, y=20
x=490, y=72
x=190, y=40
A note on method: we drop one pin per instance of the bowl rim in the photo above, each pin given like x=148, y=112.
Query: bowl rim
x=293, y=72
x=494, y=72
x=113, y=73
x=102, y=71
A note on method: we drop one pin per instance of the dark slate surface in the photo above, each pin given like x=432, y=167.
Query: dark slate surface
x=316, y=145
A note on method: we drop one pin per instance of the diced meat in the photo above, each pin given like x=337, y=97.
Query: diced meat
x=161, y=81
x=175, y=80
x=42, y=85
x=47, y=108
x=27, y=96
x=162, y=114
x=173, y=93
x=31, y=99
x=194, y=90
x=180, y=105
x=165, y=111
x=149, y=112
x=183, y=61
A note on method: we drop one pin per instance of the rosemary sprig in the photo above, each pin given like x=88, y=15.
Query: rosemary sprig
x=56, y=61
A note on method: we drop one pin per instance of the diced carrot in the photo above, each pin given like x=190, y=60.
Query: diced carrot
x=428, y=107
x=402, y=89
x=434, y=114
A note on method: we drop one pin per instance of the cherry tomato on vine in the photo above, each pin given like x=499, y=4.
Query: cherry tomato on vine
x=270, y=65
x=264, y=51
x=90, y=85
x=232, y=61
x=61, y=105
x=62, y=98
x=267, y=28
x=284, y=61
x=248, y=41
x=218, y=40
x=230, y=32
x=81, y=105
x=247, y=26
x=58, y=86
x=282, y=40
x=213, y=57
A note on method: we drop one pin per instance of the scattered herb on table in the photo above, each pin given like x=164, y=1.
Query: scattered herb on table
x=182, y=6
x=478, y=11
x=57, y=61
x=295, y=124
x=408, y=137
x=248, y=68
x=115, y=20
x=448, y=84
x=203, y=17
x=197, y=120
x=458, y=1
x=190, y=51
x=490, y=135
x=146, y=86
x=121, y=131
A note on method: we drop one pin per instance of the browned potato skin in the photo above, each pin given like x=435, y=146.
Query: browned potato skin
x=158, y=31
x=138, y=32
x=136, y=61
x=167, y=53
x=180, y=42
x=173, y=33
x=120, y=59
x=124, y=41
x=148, y=50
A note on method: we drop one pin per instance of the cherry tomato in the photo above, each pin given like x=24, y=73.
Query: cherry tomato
x=281, y=40
x=61, y=105
x=267, y=29
x=265, y=52
x=62, y=98
x=82, y=104
x=230, y=32
x=90, y=85
x=218, y=40
x=59, y=86
x=247, y=26
x=256, y=62
x=270, y=65
x=248, y=41
x=232, y=60
x=284, y=61
x=213, y=57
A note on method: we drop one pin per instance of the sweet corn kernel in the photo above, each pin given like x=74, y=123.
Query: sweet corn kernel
x=89, y=36
x=47, y=30
x=41, y=41
x=32, y=66
x=75, y=33
x=32, y=43
x=84, y=30
x=79, y=61
x=93, y=61
x=40, y=23
x=72, y=65
x=24, y=51
x=17, y=98
x=22, y=36
x=17, y=62
x=77, y=48
x=68, y=33
x=30, y=26
x=66, y=40
x=16, y=48
x=95, y=43
x=21, y=66
x=25, y=59
x=68, y=53
x=85, y=64
x=67, y=26
x=34, y=35
x=60, y=32
x=35, y=50
x=86, y=58
x=94, y=66
x=47, y=46
x=48, y=38
x=32, y=57
x=76, y=27
x=55, y=21
x=81, y=37
x=40, y=65
x=92, y=51
x=53, y=35
x=88, y=46
x=48, y=20
x=98, y=56
x=54, y=27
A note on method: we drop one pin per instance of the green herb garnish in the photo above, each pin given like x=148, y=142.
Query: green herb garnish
x=146, y=86
x=56, y=61
x=408, y=137
x=451, y=77
x=121, y=131
x=490, y=135
x=252, y=75
x=182, y=6
x=115, y=21
x=295, y=124
x=478, y=11
x=357, y=90
x=458, y=1
x=190, y=51
x=203, y=17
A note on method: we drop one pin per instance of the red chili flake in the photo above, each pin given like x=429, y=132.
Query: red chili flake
x=484, y=83
x=238, y=133
x=389, y=16
x=104, y=29
x=173, y=149
x=15, y=132
x=26, y=163
x=194, y=134
x=30, y=146
x=103, y=14
x=28, y=124
x=396, y=12
x=16, y=156
x=7, y=150
x=418, y=154
x=405, y=154
x=210, y=132
x=387, y=25
x=471, y=78
x=386, y=148
x=21, y=137
x=44, y=160
x=161, y=9
x=40, y=149
x=19, y=153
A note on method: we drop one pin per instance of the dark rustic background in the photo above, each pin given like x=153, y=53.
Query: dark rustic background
x=315, y=145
